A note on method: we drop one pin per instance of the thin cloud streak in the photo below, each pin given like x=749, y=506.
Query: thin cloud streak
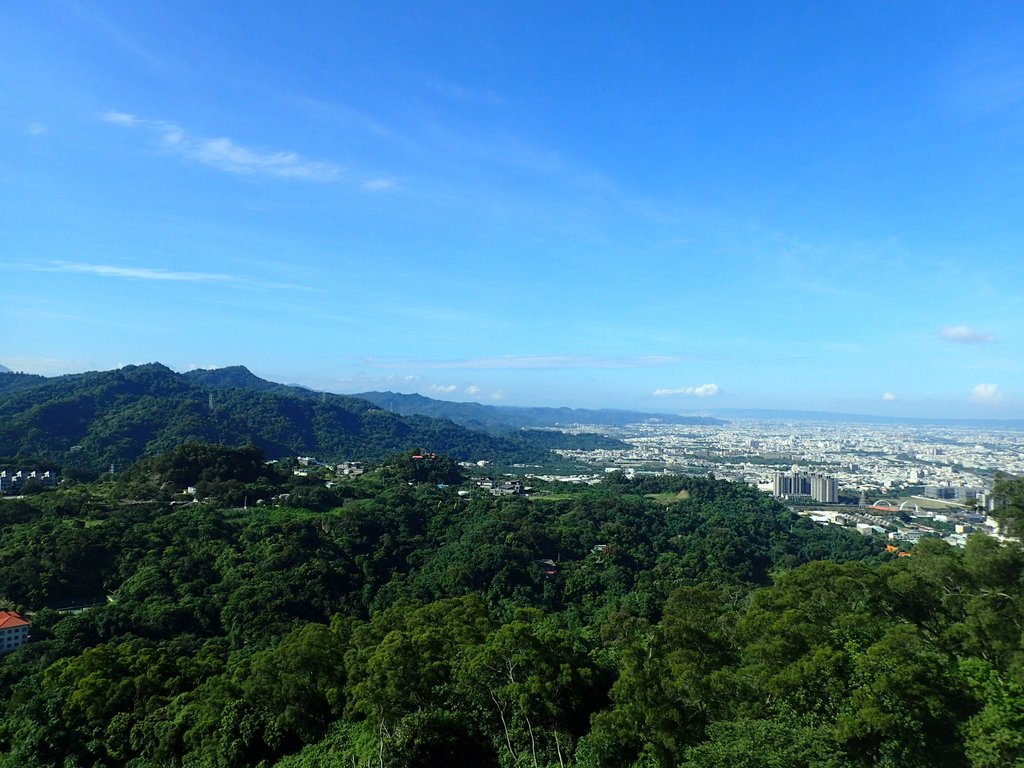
x=379, y=185
x=224, y=154
x=532, y=362
x=140, y=273
x=120, y=118
x=163, y=275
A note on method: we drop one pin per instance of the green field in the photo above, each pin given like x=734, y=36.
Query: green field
x=669, y=497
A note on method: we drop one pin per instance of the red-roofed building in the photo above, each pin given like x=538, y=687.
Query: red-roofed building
x=13, y=631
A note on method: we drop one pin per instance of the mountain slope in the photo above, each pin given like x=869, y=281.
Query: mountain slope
x=239, y=376
x=93, y=419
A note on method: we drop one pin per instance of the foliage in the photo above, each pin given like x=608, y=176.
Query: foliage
x=92, y=420
x=651, y=622
x=1009, y=495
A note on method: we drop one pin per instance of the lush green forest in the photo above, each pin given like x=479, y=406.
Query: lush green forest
x=88, y=421
x=389, y=620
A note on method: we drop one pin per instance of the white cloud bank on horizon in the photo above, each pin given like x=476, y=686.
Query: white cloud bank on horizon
x=965, y=334
x=445, y=389
x=704, y=390
x=45, y=366
x=226, y=155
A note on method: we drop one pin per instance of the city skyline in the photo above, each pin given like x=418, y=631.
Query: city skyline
x=672, y=210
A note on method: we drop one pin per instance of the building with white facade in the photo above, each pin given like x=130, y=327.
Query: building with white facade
x=11, y=481
x=821, y=488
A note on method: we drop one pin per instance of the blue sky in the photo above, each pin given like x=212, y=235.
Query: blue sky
x=591, y=204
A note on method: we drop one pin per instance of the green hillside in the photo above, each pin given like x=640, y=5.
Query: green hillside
x=388, y=621
x=92, y=419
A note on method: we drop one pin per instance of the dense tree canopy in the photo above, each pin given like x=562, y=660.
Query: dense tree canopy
x=398, y=623
x=90, y=420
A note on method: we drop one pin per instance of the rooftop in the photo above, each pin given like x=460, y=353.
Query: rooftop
x=11, y=619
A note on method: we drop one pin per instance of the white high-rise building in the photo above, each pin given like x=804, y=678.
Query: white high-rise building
x=819, y=487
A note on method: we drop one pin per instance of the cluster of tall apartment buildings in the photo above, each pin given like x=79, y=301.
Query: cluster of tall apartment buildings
x=820, y=487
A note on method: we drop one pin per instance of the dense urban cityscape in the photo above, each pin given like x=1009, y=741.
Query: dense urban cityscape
x=901, y=481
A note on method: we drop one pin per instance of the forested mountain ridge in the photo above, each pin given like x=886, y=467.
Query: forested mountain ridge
x=530, y=425
x=9, y=380
x=239, y=376
x=659, y=622
x=506, y=417
x=92, y=419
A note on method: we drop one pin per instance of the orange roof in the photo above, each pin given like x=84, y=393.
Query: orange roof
x=11, y=619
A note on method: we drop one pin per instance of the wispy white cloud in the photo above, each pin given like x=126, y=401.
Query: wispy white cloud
x=379, y=185
x=92, y=17
x=472, y=389
x=227, y=155
x=203, y=367
x=987, y=81
x=498, y=395
x=965, y=334
x=531, y=361
x=459, y=92
x=889, y=396
x=986, y=393
x=140, y=273
x=444, y=389
x=162, y=275
x=120, y=118
x=703, y=390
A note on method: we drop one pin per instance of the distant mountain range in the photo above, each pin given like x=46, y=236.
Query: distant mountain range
x=93, y=419
x=768, y=414
x=504, y=417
